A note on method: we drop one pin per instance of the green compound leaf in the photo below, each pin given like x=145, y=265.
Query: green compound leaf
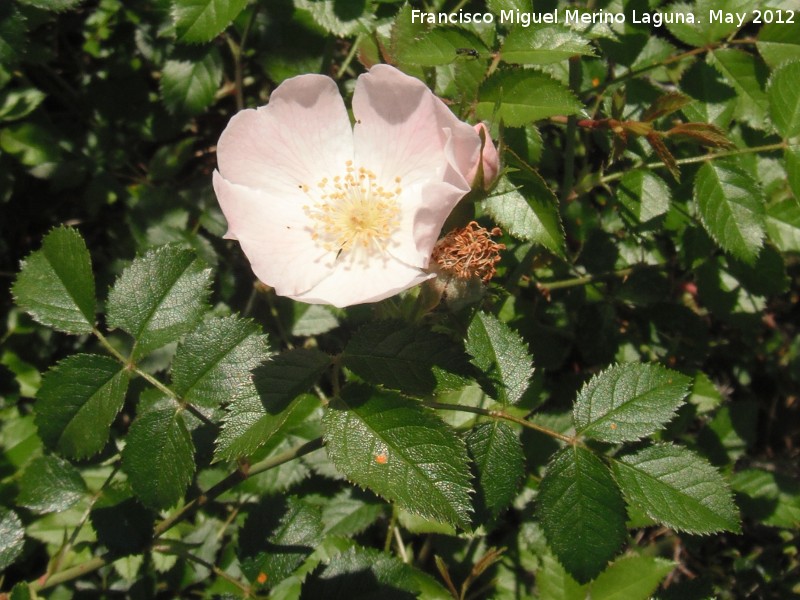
x=56, y=285
x=628, y=402
x=747, y=76
x=159, y=457
x=12, y=537
x=213, y=364
x=500, y=464
x=270, y=405
x=783, y=224
x=731, y=207
x=202, y=20
x=159, y=297
x=50, y=484
x=676, y=487
x=543, y=45
x=703, y=31
x=501, y=355
x=77, y=403
x=439, y=47
x=189, y=86
x=340, y=18
x=401, y=451
x=410, y=359
x=784, y=99
x=528, y=213
x=644, y=195
x=779, y=42
x=582, y=512
x=631, y=578
x=519, y=96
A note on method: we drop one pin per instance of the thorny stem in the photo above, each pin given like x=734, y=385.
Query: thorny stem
x=215, y=491
x=499, y=414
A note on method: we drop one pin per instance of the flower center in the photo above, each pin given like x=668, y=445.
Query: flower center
x=353, y=212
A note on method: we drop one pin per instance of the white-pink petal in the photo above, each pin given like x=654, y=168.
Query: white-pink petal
x=275, y=236
x=301, y=136
x=357, y=284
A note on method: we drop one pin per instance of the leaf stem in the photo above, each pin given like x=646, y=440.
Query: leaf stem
x=233, y=479
x=548, y=286
x=699, y=159
x=97, y=562
x=131, y=366
x=499, y=414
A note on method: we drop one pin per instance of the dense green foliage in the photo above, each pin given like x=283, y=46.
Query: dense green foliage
x=614, y=414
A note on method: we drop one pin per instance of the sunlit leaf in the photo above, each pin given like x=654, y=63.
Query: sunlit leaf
x=56, y=284
x=784, y=99
x=628, y=402
x=631, y=578
x=401, y=451
x=78, y=401
x=440, y=46
x=543, y=44
x=213, y=364
x=272, y=404
x=203, y=20
x=678, y=488
x=519, y=96
x=12, y=537
x=159, y=457
x=731, y=208
x=159, y=297
x=581, y=511
x=188, y=86
x=742, y=71
x=501, y=355
x=644, y=194
x=499, y=462
x=779, y=42
x=528, y=213
x=50, y=484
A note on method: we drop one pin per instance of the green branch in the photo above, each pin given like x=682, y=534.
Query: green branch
x=241, y=474
x=499, y=414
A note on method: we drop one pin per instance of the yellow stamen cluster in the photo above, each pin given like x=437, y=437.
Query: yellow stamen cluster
x=469, y=252
x=353, y=211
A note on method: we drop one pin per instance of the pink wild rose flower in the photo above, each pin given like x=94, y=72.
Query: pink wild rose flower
x=331, y=213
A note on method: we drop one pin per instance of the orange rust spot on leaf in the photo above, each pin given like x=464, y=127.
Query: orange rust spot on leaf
x=381, y=459
x=262, y=578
